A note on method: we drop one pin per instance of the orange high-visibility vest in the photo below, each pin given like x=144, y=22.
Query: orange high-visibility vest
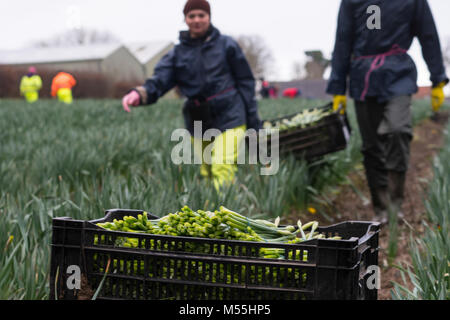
x=62, y=80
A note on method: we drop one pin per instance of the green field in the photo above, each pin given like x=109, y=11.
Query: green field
x=430, y=269
x=80, y=160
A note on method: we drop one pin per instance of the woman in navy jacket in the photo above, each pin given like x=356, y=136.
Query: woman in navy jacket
x=211, y=70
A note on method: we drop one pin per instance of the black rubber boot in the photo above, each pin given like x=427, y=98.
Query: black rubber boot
x=380, y=202
x=396, y=186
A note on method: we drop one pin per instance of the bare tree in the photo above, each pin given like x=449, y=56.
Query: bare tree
x=78, y=37
x=257, y=53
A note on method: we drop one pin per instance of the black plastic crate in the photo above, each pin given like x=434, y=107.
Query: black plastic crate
x=329, y=134
x=166, y=267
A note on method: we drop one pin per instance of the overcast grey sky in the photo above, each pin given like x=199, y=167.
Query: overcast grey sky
x=289, y=27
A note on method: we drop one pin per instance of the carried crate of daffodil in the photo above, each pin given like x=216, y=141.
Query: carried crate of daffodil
x=311, y=133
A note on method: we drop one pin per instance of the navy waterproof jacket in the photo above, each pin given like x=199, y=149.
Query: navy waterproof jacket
x=357, y=47
x=212, y=68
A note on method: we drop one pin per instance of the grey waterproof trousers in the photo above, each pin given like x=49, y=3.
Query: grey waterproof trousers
x=386, y=130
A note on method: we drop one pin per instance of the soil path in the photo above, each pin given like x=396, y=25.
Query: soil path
x=348, y=205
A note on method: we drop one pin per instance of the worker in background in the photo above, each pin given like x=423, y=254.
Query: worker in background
x=62, y=85
x=273, y=92
x=264, y=91
x=291, y=93
x=30, y=84
x=212, y=72
x=371, y=48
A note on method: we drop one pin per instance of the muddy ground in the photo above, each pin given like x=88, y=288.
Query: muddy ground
x=347, y=204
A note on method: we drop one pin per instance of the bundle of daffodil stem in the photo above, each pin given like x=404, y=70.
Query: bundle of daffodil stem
x=303, y=119
x=220, y=224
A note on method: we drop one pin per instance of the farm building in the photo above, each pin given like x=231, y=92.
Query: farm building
x=113, y=60
x=148, y=54
x=131, y=63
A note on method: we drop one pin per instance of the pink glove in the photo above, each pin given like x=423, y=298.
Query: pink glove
x=131, y=99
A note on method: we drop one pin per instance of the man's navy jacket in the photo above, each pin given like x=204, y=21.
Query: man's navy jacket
x=357, y=46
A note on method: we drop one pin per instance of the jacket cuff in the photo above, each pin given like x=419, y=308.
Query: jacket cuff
x=256, y=124
x=142, y=94
x=442, y=79
x=334, y=88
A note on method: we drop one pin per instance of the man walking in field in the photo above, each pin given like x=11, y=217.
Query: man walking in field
x=62, y=85
x=30, y=84
x=372, y=41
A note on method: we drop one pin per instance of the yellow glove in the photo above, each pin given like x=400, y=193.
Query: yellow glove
x=339, y=100
x=437, y=96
